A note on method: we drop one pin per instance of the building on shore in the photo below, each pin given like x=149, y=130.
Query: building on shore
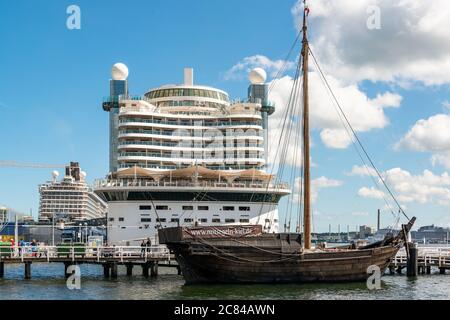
x=3, y=214
x=431, y=234
x=70, y=199
x=366, y=231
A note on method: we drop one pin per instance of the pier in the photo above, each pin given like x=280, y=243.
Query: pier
x=427, y=258
x=149, y=259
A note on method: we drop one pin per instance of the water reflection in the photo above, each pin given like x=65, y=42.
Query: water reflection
x=48, y=283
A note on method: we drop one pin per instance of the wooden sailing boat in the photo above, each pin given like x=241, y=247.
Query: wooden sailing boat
x=244, y=254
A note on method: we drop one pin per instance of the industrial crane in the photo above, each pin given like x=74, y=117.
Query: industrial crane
x=18, y=164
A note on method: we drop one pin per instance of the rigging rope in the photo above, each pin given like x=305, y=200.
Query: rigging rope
x=356, y=136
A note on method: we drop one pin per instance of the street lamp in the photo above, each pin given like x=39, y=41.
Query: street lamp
x=86, y=231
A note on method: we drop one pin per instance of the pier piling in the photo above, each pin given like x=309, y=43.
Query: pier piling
x=179, y=270
x=129, y=269
x=145, y=268
x=412, y=265
x=442, y=270
x=428, y=269
x=114, y=271
x=27, y=270
x=154, y=270
x=2, y=269
x=106, y=270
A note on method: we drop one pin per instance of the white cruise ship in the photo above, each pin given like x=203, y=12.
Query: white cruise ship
x=71, y=197
x=185, y=155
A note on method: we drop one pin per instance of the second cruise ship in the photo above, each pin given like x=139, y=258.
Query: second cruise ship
x=185, y=155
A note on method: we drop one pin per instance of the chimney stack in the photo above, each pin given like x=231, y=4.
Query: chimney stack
x=188, y=76
x=378, y=220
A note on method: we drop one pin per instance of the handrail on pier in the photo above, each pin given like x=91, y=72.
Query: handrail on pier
x=75, y=252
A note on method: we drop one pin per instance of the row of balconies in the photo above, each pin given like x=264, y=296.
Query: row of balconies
x=170, y=166
x=190, y=159
x=180, y=144
x=192, y=123
x=182, y=134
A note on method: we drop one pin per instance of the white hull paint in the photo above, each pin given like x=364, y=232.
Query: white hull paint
x=129, y=222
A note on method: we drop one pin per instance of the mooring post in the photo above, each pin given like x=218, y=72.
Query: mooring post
x=27, y=270
x=412, y=267
x=114, y=271
x=129, y=269
x=106, y=270
x=2, y=269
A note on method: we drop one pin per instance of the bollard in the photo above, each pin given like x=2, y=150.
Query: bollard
x=412, y=267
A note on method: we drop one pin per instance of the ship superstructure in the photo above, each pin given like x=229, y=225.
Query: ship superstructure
x=186, y=155
x=71, y=197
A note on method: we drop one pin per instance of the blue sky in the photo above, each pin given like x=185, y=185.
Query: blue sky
x=54, y=80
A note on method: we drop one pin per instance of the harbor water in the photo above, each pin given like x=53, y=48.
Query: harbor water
x=48, y=283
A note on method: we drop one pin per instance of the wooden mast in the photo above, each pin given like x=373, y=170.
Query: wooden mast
x=306, y=152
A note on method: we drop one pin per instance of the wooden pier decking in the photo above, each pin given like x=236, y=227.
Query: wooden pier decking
x=149, y=259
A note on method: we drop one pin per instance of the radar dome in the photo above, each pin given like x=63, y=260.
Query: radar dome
x=83, y=175
x=55, y=174
x=257, y=76
x=119, y=71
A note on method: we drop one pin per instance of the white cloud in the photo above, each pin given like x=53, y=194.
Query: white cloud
x=362, y=171
x=364, y=114
x=335, y=138
x=412, y=45
x=316, y=185
x=370, y=193
x=424, y=188
x=430, y=135
x=240, y=70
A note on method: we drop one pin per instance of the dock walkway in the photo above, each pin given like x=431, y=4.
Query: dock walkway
x=428, y=257
x=148, y=258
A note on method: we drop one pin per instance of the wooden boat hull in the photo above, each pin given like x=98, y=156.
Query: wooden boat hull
x=243, y=254
x=306, y=267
